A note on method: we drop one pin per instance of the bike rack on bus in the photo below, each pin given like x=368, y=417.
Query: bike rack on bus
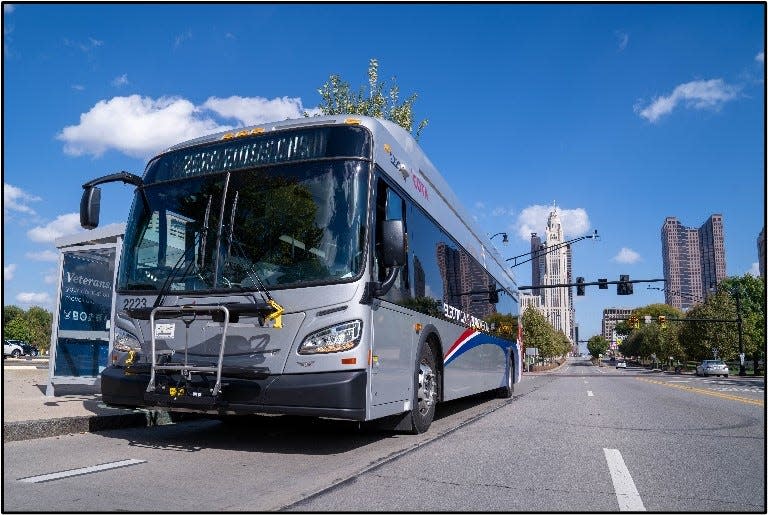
x=186, y=369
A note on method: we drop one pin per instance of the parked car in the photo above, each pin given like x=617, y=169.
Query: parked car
x=621, y=364
x=712, y=367
x=12, y=348
x=30, y=350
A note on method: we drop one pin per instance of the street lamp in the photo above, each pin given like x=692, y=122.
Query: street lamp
x=504, y=237
x=546, y=250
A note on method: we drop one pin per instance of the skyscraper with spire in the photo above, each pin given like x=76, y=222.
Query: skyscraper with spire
x=552, y=265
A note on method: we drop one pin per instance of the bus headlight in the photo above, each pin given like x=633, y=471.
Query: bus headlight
x=337, y=338
x=125, y=345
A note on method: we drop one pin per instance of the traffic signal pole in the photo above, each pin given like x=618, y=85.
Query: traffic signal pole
x=596, y=283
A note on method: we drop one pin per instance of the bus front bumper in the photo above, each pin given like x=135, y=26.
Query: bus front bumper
x=326, y=394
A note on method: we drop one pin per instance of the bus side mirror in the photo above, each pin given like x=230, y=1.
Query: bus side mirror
x=90, y=205
x=393, y=243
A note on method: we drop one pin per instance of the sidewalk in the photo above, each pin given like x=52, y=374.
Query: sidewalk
x=29, y=414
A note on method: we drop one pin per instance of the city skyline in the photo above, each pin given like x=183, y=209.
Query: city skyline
x=628, y=126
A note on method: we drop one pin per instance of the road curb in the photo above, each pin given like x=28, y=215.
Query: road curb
x=44, y=428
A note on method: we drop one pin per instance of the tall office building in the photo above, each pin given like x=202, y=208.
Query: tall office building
x=694, y=260
x=611, y=317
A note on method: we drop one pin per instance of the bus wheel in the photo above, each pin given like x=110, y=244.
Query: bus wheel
x=506, y=391
x=426, y=391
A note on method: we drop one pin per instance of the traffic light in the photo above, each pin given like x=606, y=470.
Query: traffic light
x=634, y=322
x=602, y=284
x=580, y=286
x=662, y=321
x=624, y=287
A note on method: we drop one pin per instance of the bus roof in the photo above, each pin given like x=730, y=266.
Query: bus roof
x=401, y=157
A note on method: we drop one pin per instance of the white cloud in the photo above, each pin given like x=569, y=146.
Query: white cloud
x=754, y=270
x=141, y=126
x=623, y=39
x=136, y=126
x=8, y=8
x=64, y=225
x=700, y=94
x=8, y=271
x=34, y=298
x=43, y=255
x=120, y=81
x=627, y=256
x=181, y=38
x=255, y=110
x=51, y=276
x=760, y=58
x=575, y=222
x=502, y=211
x=15, y=199
x=78, y=87
x=87, y=47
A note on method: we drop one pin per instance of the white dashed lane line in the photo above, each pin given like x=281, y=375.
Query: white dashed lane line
x=626, y=492
x=81, y=471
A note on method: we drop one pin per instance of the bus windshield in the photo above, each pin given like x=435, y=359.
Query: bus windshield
x=284, y=226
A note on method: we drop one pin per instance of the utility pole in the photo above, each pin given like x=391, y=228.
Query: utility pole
x=742, y=368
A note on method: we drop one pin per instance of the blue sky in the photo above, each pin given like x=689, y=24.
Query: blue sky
x=620, y=114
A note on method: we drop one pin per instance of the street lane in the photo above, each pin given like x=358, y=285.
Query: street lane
x=546, y=449
x=546, y=452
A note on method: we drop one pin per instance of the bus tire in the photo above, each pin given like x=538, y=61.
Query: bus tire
x=426, y=393
x=506, y=391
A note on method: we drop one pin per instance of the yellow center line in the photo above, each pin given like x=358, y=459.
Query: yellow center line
x=746, y=400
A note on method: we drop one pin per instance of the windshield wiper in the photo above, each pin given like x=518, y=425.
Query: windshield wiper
x=172, y=274
x=277, y=309
x=204, y=233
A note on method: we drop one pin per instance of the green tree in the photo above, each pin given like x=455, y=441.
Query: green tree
x=32, y=326
x=17, y=329
x=381, y=100
x=563, y=344
x=10, y=312
x=597, y=345
x=39, y=322
x=537, y=333
x=703, y=337
x=751, y=293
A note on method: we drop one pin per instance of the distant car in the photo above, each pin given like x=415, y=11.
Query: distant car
x=12, y=348
x=29, y=349
x=621, y=364
x=712, y=367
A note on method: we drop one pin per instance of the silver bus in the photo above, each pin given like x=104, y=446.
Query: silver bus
x=319, y=267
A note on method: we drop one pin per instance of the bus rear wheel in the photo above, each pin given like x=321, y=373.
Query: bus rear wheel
x=426, y=386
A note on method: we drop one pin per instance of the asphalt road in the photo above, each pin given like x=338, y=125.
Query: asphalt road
x=582, y=439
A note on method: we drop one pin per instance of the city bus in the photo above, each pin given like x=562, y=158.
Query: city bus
x=317, y=267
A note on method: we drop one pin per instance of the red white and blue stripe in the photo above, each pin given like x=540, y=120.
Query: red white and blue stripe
x=470, y=339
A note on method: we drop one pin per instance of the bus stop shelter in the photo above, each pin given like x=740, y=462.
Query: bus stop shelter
x=83, y=318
